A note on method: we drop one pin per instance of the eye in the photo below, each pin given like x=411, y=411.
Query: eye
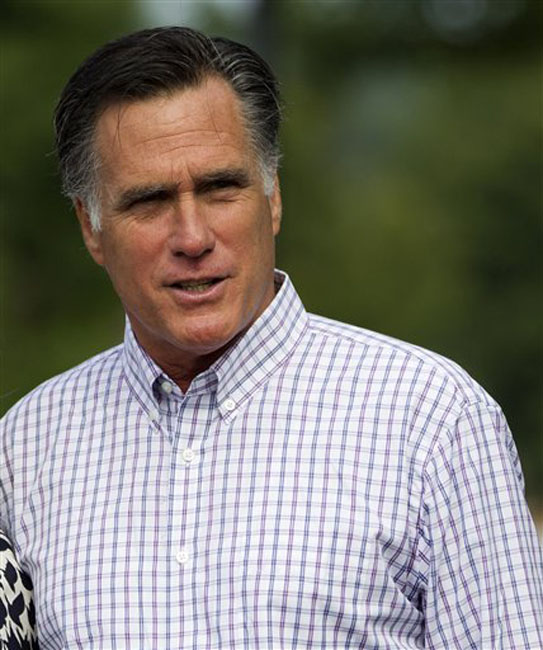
x=223, y=191
x=222, y=185
x=154, y=197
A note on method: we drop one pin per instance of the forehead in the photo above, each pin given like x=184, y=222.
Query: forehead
x=190, y=125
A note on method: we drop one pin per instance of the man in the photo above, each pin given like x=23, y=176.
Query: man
x=239, y=473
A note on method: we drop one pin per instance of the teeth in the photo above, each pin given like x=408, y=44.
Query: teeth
x=196, y=286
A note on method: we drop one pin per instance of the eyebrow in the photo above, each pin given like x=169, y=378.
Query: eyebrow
x=143, y=193
x=234, y=176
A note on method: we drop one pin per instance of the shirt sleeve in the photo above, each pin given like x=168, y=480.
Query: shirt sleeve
x=482, y=558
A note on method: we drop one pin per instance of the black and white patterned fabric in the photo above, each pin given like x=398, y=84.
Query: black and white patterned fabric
x=17, y=617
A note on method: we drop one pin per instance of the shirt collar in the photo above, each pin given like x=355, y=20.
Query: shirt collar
x=242, y=369
x=141, y=372
x=265, y=346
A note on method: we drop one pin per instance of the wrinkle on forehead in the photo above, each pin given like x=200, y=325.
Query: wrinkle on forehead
x=163, y=112
x=173, y=138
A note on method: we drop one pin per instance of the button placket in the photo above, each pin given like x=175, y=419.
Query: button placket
x=182, y=556
x=188, y=455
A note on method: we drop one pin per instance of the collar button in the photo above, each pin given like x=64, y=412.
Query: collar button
x=166, y=387
x=229, y=404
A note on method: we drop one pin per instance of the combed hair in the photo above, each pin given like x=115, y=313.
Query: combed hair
x=150, y=63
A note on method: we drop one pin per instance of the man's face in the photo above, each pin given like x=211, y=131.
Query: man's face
x=187, y=233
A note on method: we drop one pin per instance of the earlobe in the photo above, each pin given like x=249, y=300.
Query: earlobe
x=91, y=237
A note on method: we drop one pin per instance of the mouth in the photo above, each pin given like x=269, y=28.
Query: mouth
x=196, y=286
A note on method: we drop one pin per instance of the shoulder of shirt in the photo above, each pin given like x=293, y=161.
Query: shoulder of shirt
x=452, y=378
x=54, y=387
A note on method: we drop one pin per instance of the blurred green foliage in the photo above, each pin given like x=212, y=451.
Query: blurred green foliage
x=411, y=181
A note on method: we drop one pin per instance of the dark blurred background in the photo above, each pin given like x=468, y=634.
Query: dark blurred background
x=411, y=181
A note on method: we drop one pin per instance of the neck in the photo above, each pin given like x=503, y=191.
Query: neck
x=181, y=367
x=182, y=373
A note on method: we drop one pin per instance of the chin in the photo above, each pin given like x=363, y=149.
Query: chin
x=206, y=341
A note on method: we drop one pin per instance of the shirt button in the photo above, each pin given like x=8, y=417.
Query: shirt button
x=188, y=455
x=182, y=556
x=167, y=387
x=153, y=415
x=229, y=404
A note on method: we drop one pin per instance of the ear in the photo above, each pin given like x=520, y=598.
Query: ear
x=276, y=206
x=91, y=237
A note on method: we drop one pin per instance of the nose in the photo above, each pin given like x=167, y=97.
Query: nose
x=190, y=234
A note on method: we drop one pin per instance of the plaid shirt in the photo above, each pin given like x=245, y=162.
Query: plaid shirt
x=320, y=486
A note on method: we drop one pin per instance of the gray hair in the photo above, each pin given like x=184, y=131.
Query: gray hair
x=150, y=63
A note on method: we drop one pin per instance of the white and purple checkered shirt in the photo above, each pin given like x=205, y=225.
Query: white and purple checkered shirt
x=320, y=486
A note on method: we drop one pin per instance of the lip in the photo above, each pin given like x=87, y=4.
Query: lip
x=186, y=297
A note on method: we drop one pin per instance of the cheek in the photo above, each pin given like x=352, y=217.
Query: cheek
x=264, y=245
x=129, y=263
x=255, y=238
